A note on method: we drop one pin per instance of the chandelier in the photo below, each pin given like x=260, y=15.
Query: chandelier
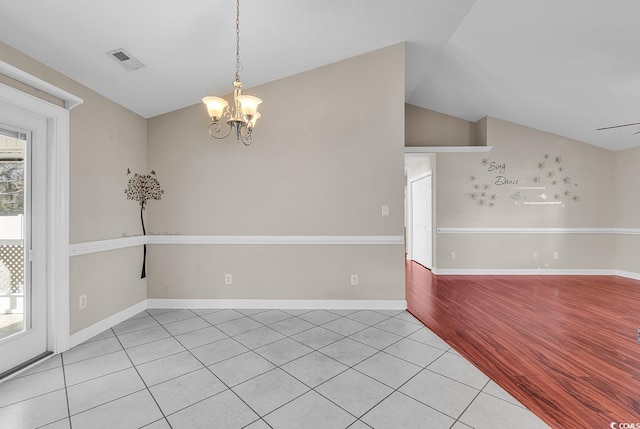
x=241, y=117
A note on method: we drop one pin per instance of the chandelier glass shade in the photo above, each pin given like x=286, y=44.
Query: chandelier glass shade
x=241, y=116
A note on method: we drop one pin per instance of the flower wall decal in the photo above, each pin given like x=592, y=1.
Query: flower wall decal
x=142, y=188
x=552, y=173
x=479, y=190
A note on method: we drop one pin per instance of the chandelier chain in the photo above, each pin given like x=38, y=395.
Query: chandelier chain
x=240, y=116
x=237, y=40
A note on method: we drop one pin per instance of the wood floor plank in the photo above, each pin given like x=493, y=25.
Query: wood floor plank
x=564, y=346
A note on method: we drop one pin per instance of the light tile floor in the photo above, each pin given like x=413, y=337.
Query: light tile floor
x=259, y=369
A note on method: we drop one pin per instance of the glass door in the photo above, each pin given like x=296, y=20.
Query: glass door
x=22, y=301
x=13, y=272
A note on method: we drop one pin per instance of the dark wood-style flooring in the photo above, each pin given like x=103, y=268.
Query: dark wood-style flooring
x=564, y=346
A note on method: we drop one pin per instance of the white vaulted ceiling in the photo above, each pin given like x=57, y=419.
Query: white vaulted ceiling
x=563, y=66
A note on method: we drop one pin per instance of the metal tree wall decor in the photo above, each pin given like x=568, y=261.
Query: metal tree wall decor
x=142, y=189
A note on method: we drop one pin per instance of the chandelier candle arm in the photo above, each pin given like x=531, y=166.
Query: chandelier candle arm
x=242, y=115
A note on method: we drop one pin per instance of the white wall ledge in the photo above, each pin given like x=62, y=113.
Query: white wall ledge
x=444, y=149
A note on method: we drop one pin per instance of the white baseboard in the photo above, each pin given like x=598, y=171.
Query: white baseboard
x=333, y=304
x=525, y=272
x=93, y=330
x=533, y=272
x=628, y=274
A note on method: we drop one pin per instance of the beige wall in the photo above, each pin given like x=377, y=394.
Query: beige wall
x=627, y=214
x=520, y=149
x=111, y=281
x=318, y=272
x=105, y=140
x=424, y=127
x=321, y=167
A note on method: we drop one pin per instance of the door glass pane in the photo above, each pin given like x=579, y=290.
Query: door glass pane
x=12, y=229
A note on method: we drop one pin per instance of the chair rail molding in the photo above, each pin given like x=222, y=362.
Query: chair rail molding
x=472, y=230
x=85, y=248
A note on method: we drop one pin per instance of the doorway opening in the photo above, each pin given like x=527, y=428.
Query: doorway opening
x=419, y=209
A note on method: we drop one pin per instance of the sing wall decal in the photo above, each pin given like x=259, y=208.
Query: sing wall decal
x=549, y=185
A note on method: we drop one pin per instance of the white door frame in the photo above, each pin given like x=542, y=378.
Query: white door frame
x=412, y=232
x=57, y=205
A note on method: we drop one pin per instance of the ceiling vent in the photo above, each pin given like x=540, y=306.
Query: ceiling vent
x=125, y=59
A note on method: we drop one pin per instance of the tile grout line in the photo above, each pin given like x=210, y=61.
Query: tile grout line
x=426, y=368
x=66, y=392
x=32, y=397
x=467, y=407
x=208, y=397
x=399, y=387
x=342, y=372
x=457, y=381
x=276, y=366
x=142, y=379
x=85, y=381
x=406, y=337
x=393, y=390
x=286, y=336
